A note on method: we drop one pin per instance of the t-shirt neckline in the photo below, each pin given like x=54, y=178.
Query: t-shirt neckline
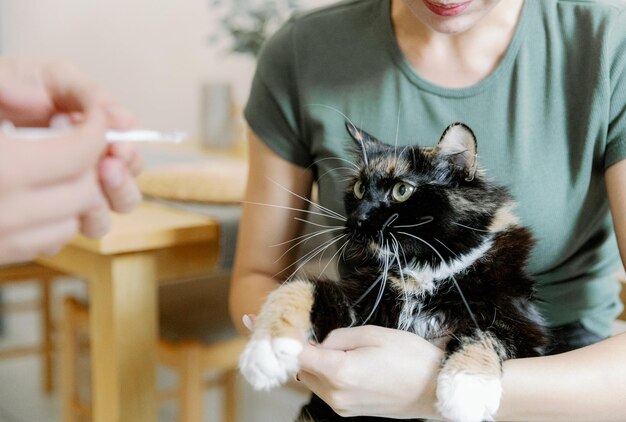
x=401, y=61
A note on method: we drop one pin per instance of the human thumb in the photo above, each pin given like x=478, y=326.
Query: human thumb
x=355, y=337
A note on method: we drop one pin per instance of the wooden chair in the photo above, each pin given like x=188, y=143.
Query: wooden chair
x=196, y=338
x=33, y=273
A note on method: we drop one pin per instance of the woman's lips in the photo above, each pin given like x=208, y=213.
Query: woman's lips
x=447, y=9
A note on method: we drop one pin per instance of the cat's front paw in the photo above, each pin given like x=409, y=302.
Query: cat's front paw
x=269, y=362
x=463, y=397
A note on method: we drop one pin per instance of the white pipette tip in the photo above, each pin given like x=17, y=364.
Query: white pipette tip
x=145, y=136
x=112, y=136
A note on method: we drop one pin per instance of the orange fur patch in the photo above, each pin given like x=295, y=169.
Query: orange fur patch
x=504, y=219
x=287, y=311
x=477, y=356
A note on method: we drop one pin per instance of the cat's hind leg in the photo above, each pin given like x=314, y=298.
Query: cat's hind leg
x=281, y=329
x=469, y=383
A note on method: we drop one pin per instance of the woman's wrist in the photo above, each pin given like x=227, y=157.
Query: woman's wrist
x=581, y=385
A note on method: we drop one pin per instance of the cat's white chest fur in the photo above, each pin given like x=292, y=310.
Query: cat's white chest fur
x=431, y=327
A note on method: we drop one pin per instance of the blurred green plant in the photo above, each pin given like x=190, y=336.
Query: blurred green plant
x=248, y=23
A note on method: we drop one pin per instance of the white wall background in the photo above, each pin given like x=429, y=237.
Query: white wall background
x=152, y=54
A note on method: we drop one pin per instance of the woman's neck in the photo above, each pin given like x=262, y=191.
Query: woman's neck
x=459, y=59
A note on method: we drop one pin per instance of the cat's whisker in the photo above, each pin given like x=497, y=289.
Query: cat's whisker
x=312, y=223
x=452, y=277
x=333, y=109
x=345, y=180
x=349, y=169
x=395, y=148
x=332, y=258
x=390, y=221
x=304, y=238
x=294, y=209
x=365, y=160
x=309, y=256
x=470, y=228
x=381, y=290
x=428, y=218
x=369, y=289
x=342, y=256
x=396, y=246
x=444, y=245
x=328, y=211
x=321, y=256
x=338, y=168
x=354, y=166
x=401, y=250
x=454, y=336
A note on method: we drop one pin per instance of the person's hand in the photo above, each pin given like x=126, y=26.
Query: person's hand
x=50, y=190
x=373, y=371
x=117, y=170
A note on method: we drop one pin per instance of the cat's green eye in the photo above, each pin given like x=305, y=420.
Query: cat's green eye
x=359, y=190
x=402, y=191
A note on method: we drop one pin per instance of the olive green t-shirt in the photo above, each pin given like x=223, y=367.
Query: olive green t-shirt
x=549, y=120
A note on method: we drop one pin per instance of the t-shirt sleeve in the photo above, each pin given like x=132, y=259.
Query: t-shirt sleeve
x=272, y=110
x=616, y=137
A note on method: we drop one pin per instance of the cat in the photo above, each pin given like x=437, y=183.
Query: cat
x=435, y=249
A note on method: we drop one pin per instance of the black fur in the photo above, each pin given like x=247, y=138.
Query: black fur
x=461, y=207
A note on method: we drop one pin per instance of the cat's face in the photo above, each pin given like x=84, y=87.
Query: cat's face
x=413, y=202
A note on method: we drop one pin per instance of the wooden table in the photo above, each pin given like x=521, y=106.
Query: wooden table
x=149, y=244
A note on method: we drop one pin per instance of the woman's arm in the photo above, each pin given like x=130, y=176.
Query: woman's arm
x=582, y=385
x=588, y=384
x=261, y=251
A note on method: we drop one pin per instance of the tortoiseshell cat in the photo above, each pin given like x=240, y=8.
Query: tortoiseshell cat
x=430, y=237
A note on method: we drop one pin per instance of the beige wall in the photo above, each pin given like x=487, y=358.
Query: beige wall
x=153, y=54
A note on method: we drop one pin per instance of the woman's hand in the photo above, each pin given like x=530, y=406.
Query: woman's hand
x=373, y=371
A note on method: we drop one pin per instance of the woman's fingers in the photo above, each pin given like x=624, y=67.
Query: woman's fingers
x=330, y=356
x=320, y=360
x=25, y=245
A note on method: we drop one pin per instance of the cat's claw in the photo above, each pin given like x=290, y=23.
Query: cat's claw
x=269, y=362
x=463, y=397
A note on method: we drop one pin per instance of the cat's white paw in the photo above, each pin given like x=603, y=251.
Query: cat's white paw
x=463, y=397
x=267, y=363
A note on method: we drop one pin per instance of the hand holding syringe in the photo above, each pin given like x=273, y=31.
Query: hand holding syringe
x=61, y=180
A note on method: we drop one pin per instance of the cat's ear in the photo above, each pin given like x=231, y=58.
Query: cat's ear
x=458, y=147
x=360, y=136
x=363, y=139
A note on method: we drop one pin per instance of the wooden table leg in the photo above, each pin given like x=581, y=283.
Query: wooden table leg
x=123, y=296
x=46, y=334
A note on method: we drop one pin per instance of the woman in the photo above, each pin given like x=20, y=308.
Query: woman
x=543, y=85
